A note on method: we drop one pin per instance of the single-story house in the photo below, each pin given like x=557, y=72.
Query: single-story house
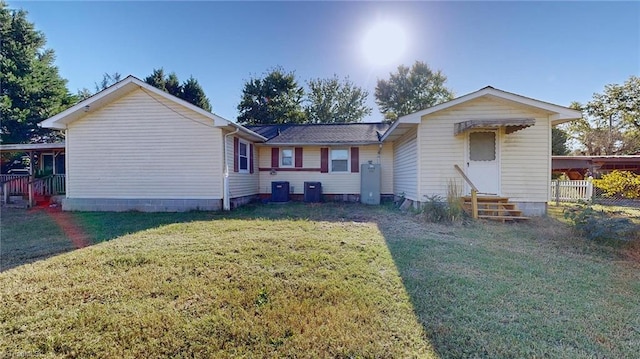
x=134, y=147
x=331, y=154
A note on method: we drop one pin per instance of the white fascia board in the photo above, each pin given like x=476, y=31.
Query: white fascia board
x=65, y=117
x=407, y=119
x=490, y=91
x=559, y=118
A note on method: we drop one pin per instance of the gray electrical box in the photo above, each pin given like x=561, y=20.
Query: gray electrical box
x=370, y=183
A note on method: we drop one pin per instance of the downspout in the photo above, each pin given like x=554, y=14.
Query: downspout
x=226, y=204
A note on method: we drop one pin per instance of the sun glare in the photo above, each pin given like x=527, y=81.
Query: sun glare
x=384, y=43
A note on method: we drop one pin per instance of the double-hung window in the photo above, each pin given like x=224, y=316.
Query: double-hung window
x=339, y=160
x=286, y=157
x=243, y=156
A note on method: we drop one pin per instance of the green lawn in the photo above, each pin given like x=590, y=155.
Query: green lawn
x=298, y=280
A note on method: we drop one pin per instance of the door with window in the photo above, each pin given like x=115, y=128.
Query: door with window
x=483, y=163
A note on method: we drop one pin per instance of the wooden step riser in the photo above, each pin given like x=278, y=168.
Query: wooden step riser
x=495, y=209
x=493, y=205
x=506, y=208
x=513, y=212
x=504, y=218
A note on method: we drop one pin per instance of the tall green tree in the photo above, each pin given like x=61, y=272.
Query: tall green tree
x=559, y=142
x=31, y=89
x=190, y=90
x=158, y=80
x=411, y=89
x=611, y=120
x=334, y=101
x=275, y=98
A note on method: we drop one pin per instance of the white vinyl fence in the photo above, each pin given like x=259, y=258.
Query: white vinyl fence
x=571, y=191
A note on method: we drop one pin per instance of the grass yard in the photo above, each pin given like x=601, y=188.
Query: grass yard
x=296, y=280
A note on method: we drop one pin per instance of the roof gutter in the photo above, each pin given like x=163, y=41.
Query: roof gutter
x=226, y=203
x=282, y=144
x=246, y=131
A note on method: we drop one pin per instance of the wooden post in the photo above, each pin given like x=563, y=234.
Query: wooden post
x=31, y=179
x=5, y=192
x=474, y=204
x=557, y=192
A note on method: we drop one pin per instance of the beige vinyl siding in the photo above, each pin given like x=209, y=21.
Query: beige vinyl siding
x=524, y=155
x=526, y=161
x=242, y=184
x=332, y=183
x=405, y=175
x=139, y=147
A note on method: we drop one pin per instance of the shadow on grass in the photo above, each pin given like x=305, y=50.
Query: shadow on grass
x=477, y=291
x=36, y=234
x=32, y=235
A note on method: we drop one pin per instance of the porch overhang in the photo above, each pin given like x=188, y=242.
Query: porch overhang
x=32, y=147
x=511, y=125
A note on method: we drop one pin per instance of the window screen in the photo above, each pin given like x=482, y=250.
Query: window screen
x=243, y=157
x=482, y=146
x=339, y=160
x=287, y=157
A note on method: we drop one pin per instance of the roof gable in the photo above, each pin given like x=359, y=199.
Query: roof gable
x=121, y=89
x=558, y=114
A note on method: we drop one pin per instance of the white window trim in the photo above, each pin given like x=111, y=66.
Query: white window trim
x=348, y=170
x=293, y=156
x=248, y=155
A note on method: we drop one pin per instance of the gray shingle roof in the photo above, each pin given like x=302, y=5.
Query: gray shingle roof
x=343, y=133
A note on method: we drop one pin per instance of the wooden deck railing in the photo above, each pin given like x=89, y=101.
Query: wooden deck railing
x=18, y=185
x=14, y=185
x=51, y=185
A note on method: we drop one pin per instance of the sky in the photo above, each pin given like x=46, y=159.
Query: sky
x=557, y=52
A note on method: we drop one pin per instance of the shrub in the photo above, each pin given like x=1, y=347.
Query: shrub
x=622, y=184
x=598, y=225
x=437, y=209
x=434, y=209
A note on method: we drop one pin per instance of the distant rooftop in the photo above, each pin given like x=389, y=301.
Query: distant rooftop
x=321, y=134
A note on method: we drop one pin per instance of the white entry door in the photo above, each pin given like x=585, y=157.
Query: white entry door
x=483, y=167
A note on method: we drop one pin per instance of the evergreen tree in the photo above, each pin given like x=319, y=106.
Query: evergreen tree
x=190, y=90
x=559, y=142
x=158, y=80
x=31, y=88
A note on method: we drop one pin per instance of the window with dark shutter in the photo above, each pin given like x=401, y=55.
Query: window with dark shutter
x=324, y=160
x=275, y=157
x=298, y=159
x=355, y=159
x=251, y=158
